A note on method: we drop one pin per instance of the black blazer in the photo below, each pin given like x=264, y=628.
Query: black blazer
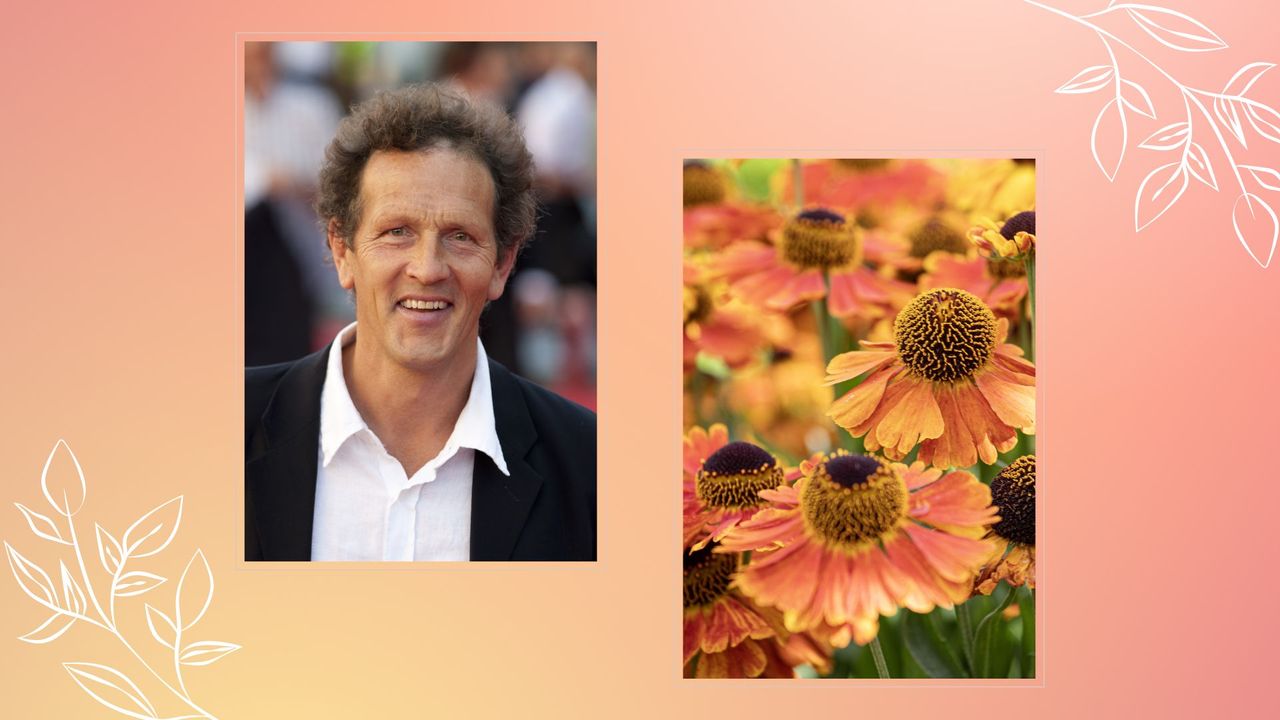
x=545, y=510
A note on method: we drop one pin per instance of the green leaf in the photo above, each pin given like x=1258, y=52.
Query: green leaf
x=928, y=648
x=755, y=178
x=1027, y=606
x=991, y=650
x=712, y=365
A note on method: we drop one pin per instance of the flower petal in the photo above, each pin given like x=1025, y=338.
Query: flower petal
x=958, y=504
x=1013, y=403
x=913, y=418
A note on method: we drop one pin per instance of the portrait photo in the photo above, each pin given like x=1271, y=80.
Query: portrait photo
x=419, y=283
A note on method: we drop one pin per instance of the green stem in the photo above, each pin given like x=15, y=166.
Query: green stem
x=984, y=653
x=1027, y=607
x=877, y=654
x=822, y=317
x=966, y=633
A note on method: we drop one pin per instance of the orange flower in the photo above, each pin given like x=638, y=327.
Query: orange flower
x=858, y=537
x=1013, y=490
x=703, y=185
x=1013, y=239
x=974, y=274
x=722, y=482
x=814, y=243
x=718, y=622
x=853, y=185
x=733, y=333
x=948, y=382
x=711, y=220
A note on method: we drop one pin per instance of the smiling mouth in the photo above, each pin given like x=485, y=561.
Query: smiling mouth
x=424, y=305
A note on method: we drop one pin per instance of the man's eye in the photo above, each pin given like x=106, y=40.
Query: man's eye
x=460, y=236
x=398, y=232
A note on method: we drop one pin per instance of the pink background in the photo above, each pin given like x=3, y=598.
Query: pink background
x=1157, y=540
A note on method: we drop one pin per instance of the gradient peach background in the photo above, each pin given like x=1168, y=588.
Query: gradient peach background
x=123, y=337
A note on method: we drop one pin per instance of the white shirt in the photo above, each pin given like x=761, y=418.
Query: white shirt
x=366, y=507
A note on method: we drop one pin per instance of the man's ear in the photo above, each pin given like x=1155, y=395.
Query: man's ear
x=502, y=271
x=342, y=255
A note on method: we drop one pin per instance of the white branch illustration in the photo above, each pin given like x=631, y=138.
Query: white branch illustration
x=79, y=601
x=1165, y=185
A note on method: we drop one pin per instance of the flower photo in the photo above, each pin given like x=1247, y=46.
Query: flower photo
x=859, y=380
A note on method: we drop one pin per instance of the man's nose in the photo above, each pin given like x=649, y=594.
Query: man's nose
x=428, y=263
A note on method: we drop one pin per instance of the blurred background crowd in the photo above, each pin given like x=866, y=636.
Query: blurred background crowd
x=295, y=93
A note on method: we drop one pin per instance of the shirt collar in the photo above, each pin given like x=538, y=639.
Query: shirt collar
x=340, y=420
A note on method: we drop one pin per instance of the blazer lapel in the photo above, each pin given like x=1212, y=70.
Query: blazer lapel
x=280, y=475
x=500, y=504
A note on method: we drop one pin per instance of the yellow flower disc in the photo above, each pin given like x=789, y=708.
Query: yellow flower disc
x=1013, y=490
x=852, y=501
x=945, y=335
x=937, y=235
x=702, y=185
x=862, y=164
x=707, y=575
x=819, y=239
x=734, y=475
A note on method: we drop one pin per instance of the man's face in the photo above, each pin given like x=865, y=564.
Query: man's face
x=424, y=258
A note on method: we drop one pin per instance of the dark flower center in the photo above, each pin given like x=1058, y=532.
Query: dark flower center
x=945, y=335
x=697, y=304
x=702, y=185
x=1013, y=491
x=707, y=575
x=850, y=470
x=853, y=500
x=819, y=239
x=937, y=235
x=1022, y=222
x=734, y=475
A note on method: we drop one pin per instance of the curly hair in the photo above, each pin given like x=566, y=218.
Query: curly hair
x=422, y=117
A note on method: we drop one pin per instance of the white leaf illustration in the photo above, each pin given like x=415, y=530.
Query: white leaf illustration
x=162, y=628
x=154, y=531
x=1111, y=116
x=1198, y=165
x=195, y=592
x=1159, y=190
x=72, y=596
x=50, y=629
x=1255, y=223
x=111, y=688
x=33, y=581
x=1090, y=79
x=1136, y=97
x=1266, y=177
x=1174, y=29
x=136, y=583
x=206, y=652
x=1245, y=77
x=1169, y=137
x=109, y=552
x=1266, y=121
x=1229, y=117
x=63, y=482
x=41, y=525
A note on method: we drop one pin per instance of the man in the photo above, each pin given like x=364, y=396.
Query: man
x=401, y=440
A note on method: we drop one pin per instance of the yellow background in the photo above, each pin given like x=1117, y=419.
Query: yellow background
x=121, y=279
